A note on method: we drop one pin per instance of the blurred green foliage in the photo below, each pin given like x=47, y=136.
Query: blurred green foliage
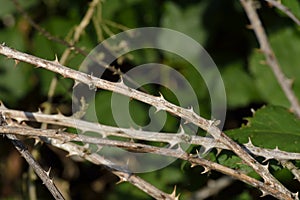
x=219, y=26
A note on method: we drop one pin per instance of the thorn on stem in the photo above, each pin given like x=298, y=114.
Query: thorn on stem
x=16, y=62
x=56, y=60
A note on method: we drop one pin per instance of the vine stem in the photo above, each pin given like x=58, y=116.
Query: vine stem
x=284, y=82
x=161, y=104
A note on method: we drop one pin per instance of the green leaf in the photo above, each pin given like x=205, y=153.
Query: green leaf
x=232, y=161
x=270, y=127
x=185, y=20
x=15, y=80
x=240, y=90
x=286, y=46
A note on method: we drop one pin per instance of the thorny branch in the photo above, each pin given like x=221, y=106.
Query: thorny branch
x=171, y=138
x=44, y=176
x=61, y=139
x=52, y=137
x=124, y=175
x=161, y=104
x=284, y=82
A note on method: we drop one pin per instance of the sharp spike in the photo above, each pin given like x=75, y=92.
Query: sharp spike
x=161, y=96
x=36, y=142
x=2, y=106
x=56, y=60
x=205, y=150
x=59, y=113
x=75, y=84
x=86, y=146
x=122, y=179
x=172, y=144
x=16, y=62
x=295, y=195
x=263, y=193
x=190, y=108
x=48, y=172
x=157, y=109
x=214, y=122
x=249, y=143
x=181, y=130
x=19, y=120
x=72, y=154
x=266, y=159
x=219, y=150
x=206, y=169
x=39, y=111
x=173, y=194
x=121, y=81
x=193, y=165
x=99, y=147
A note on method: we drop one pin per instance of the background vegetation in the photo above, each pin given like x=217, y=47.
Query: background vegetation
x=220, y=26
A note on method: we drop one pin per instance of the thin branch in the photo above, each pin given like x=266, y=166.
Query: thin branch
x=285, y=10
x=171, y=138
x=44, y=176
x=124, y=175
x=160, y=103
x=71, y=45
x=290, y=166
x=212, y=188
x=265, y=46
x=44, y=32
x=80, y=29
